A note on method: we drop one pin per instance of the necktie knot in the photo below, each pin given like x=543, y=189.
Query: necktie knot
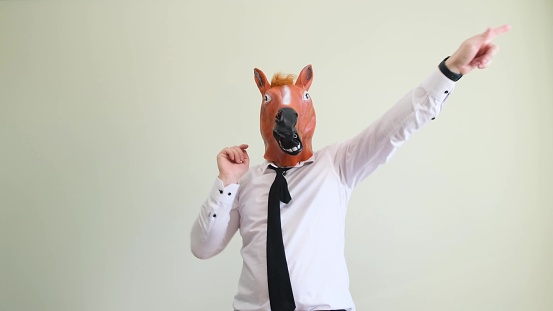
x=280, y=170
x=280, y=185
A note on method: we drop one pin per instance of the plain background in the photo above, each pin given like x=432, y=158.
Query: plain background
x=112, y=113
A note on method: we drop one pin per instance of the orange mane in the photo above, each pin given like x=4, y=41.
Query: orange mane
x=280, y=79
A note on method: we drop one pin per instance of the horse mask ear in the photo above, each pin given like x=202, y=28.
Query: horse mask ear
x=305, y=78
x=261, y=81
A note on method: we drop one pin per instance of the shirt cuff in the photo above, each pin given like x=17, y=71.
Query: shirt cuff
x=223, y=194
x=438, y=86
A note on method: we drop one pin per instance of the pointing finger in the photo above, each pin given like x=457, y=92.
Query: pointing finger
x=491, y=33
x=501, y=29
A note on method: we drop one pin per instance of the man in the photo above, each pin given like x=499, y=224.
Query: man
x=290, y=209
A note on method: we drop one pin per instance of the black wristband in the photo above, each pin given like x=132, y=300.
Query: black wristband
x=450, y=75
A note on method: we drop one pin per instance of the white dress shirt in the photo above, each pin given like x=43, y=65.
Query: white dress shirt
x=313, y=221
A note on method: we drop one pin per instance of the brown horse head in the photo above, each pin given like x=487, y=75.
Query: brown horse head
x=287, y=117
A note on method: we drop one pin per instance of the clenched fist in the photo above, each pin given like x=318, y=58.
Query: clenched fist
x=233, y=162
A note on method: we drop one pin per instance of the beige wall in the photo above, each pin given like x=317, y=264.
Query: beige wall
x=112, y=113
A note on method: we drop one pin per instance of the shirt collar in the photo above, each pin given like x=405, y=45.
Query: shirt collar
x=265, y=164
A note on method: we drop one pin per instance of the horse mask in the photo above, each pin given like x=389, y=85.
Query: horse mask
x=287, y=117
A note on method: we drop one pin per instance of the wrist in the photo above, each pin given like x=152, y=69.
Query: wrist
x=451, y=66
x=448, y=68
x=228, y=179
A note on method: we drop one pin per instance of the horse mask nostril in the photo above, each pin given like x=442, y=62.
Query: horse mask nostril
x=278, y=117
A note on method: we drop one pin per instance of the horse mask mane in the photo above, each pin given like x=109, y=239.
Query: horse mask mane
x=287, y=117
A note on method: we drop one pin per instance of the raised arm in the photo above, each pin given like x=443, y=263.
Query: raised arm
x=360, y=156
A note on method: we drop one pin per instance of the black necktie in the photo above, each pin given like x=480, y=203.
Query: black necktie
x=280, y=289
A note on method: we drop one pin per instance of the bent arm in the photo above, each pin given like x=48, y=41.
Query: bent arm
x=359, y=157
x=217, y=222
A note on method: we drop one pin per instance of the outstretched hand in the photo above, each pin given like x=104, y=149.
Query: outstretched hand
x=233, y=162
x=475, y=52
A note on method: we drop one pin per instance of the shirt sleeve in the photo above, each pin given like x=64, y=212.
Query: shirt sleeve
x=217, y=222
x=360, y=156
